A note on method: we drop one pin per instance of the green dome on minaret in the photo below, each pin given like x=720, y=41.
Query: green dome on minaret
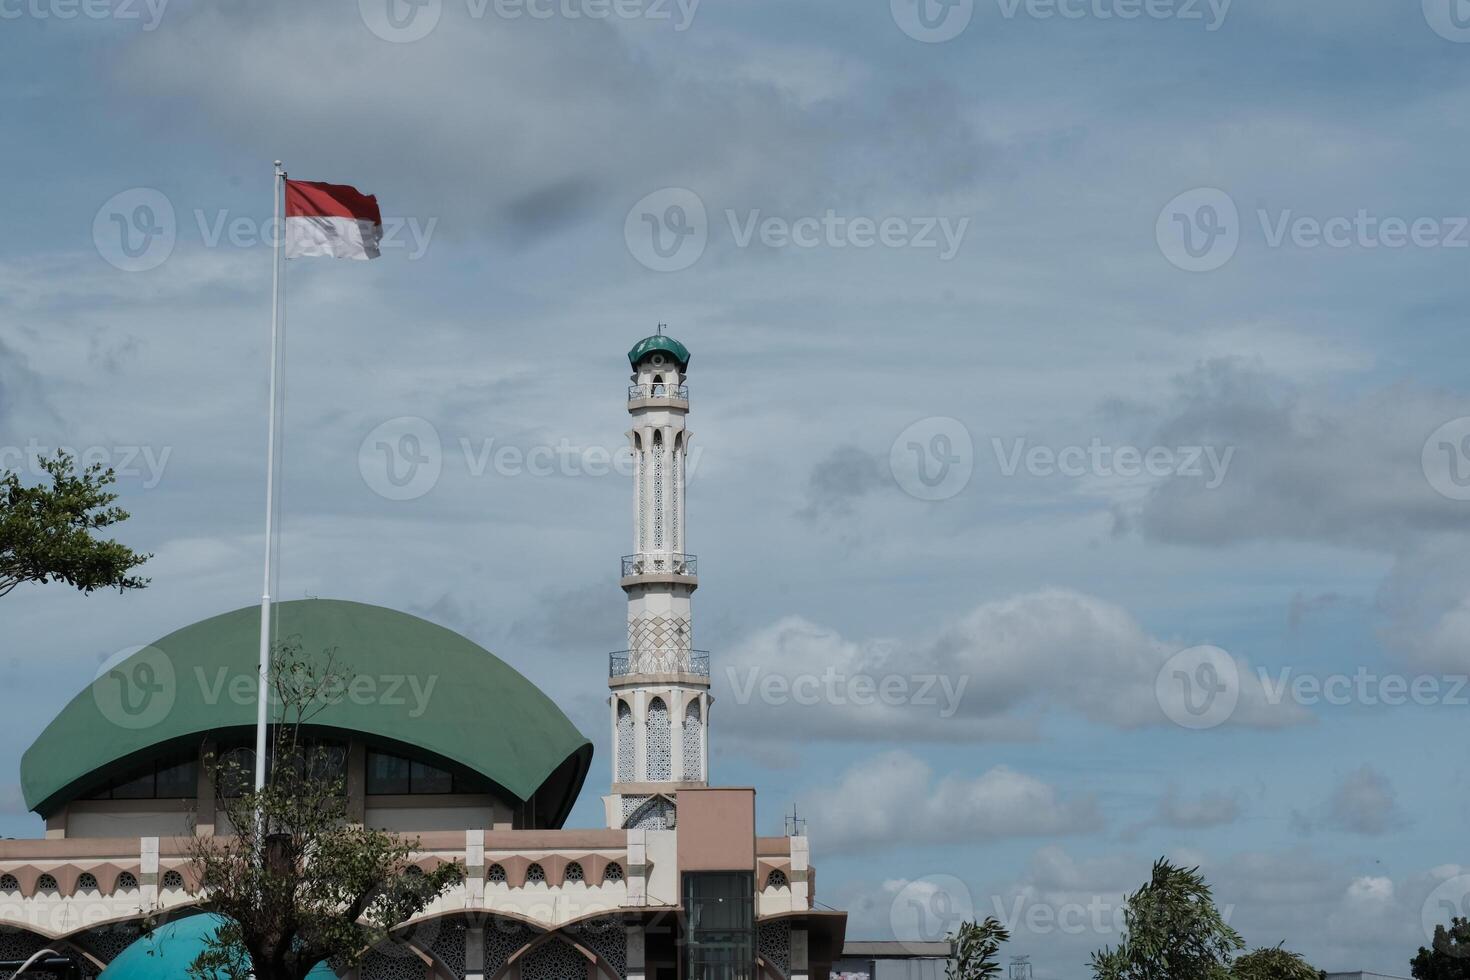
x=659, y=342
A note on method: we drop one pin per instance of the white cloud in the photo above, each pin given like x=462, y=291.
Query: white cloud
x=993, y=673
x=896, y=797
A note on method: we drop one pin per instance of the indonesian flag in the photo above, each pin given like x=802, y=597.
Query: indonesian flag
x=334, y=220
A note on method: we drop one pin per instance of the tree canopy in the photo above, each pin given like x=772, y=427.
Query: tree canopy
x=47, y=533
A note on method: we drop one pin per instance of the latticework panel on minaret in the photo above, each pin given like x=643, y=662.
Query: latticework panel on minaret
x=659, y=644
x=693, y=736
x=674, y=504
x=658, y=495
x=659, y=741
x=642, y=500
x=627, y=761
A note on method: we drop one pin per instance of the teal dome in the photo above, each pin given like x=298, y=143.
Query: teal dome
x=519, y=740
x=167, y=952
x=658, y=342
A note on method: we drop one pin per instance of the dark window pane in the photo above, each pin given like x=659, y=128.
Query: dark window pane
x=386, y=774
x=720, y=943
x=179, y=782
x=427, y=779
x=140, y=788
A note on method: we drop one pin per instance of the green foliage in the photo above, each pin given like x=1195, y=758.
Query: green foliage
x=1172, y=931
x=46, y=533
x=975, y=949
x=299, y=882
x=1273, y=963
x=1448, y=955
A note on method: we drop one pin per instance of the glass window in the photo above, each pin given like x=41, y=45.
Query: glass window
x=428, y=779
x=179, y=781
x=139, y=788
x=721, y=925
x=387, y=774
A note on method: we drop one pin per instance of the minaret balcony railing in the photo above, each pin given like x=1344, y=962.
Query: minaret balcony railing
x=627, y=663
x=658, y=392
x=660, y=564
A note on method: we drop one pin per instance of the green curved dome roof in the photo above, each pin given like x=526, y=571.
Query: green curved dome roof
x=659, y=342
x=420, y=686
x=166, y=952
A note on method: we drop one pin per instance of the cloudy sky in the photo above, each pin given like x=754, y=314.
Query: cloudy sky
x=1079, y=391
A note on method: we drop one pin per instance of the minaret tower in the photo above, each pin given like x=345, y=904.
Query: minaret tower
x=660, y=684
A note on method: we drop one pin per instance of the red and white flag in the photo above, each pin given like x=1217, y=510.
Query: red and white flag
x=333, y=220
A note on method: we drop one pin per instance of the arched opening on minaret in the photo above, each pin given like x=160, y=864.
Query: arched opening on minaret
x=660, y=741
x=693, y=742
x=627, y=762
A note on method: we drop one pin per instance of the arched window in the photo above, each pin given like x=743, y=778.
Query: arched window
x=46, y=883
x=659, y=741
x=627, y=766
x=613, y=872
x=86, y=882
x=414, y=871
x=693, y=738
x=574, y=873
x=173, y=881
x=496, y=874
x=9, y=883
x=776, y=879
x=126, y=882
x=535, y=874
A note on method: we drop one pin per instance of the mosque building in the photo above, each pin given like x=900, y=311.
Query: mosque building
x=440, y=740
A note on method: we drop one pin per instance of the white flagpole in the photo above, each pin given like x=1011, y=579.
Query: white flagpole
x=262, y=715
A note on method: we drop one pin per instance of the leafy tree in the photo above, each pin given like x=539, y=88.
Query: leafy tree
x=297, y=881
x=1273, y=963
x=975, y=949
x=1172, y=931
x=1448, y=955
x=46, y=533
